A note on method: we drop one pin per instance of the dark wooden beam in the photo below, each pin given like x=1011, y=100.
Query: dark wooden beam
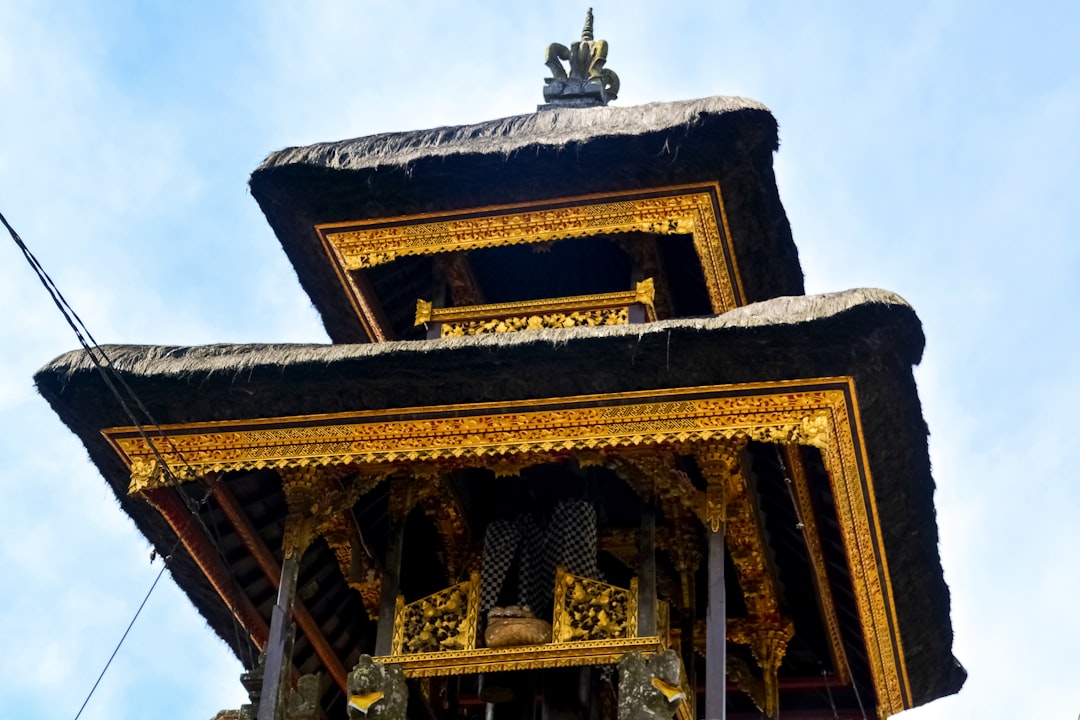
x=205, y=554
x=646, y=619
x=278, y=655
x=716, y=631
x=390, y=585
x=268, y=564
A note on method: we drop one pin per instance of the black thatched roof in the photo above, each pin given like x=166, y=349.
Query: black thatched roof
x=544, y=155
x=871, y=335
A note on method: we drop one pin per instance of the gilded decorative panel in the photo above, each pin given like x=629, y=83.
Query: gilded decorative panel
x=587, y=609
x=446, y=620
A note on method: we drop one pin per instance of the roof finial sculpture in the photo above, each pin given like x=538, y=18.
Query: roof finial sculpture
x=588, y=83
x=586, y=32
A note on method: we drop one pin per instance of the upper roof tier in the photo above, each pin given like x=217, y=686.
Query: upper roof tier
x=562, y=202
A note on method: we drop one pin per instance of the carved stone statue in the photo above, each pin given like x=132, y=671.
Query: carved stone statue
x=589, y=83
x=649, y=689
x=302, y=702
x=377, y=691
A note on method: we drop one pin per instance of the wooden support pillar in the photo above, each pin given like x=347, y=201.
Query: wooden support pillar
x=717, y=464
x=716, y=629
x=646, y=619
x=391, y=581
x=278, y=662
x=689, y=614
x=258, y=549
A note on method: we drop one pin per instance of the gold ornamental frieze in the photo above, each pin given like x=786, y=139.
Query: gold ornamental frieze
x=382, y=442
x=524, y=657
x=620, y=308
x=821, y=412
x=696, y=210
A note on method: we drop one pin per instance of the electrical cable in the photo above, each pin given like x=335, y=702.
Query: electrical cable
x=110, y=376
x=164, y=564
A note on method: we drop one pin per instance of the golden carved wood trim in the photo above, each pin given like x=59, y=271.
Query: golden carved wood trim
x=447, y=620
x=697, y=210
x=821, y=412
x=643, y=294
x=800, y=488
x=526, y=657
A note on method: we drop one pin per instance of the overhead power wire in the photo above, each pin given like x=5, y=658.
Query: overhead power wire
x=165, y=562
x=102, y=362
x=112, y=379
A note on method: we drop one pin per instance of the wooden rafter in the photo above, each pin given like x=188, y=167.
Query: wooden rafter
x=202, y=550
x=251, y=539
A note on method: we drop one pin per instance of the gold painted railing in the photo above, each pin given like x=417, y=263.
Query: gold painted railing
x=594, y=623
x=445, y=620
x=619, y=308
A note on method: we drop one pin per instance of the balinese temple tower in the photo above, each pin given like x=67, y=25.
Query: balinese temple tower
x=581, y=446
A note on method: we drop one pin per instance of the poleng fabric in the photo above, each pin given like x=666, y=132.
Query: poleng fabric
x=568, y=541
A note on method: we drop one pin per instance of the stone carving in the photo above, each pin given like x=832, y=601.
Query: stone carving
x=650, y=689
x=377, y=691
x=589, y=83
x=303, y=700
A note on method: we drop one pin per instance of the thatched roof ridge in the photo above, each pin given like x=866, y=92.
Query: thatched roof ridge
x=208, y=360
x=553, y=128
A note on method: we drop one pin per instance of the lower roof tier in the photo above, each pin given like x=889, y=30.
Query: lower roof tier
x=814, y=387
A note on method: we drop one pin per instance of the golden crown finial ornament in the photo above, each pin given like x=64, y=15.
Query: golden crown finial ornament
x=588, y=83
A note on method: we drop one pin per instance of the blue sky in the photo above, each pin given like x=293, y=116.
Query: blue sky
x=930, y=148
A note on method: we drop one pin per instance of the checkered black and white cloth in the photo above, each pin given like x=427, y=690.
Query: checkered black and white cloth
x=569, y=540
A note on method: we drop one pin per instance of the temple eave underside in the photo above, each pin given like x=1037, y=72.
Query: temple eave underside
x=699, y=456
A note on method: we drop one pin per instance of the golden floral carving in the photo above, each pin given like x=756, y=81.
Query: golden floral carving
x=445, y=620
x=720, y=463
x=584, y=318
x=442, y=505
x=587, y=609
x=740, y=674
x=426, y=486
x=565, y=312
x=768, y=641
